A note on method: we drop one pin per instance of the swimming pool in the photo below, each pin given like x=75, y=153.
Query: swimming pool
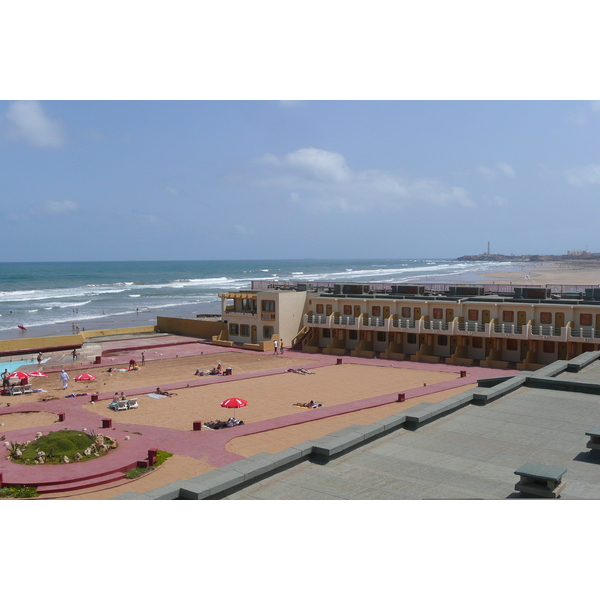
x=16, y=365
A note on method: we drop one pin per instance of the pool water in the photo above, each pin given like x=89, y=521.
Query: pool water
x=16, y=365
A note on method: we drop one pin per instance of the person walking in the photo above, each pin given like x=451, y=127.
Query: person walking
x=275, y=347
x=39, y=359
x=64, y=377
x=280, y=346
x=74, y=354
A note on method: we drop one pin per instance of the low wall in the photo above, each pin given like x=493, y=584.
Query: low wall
x=63, y=342
x=189, y=327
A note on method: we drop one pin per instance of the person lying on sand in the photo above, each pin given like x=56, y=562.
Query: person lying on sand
x=161, y=393
x=311, y=404
x=301, y=371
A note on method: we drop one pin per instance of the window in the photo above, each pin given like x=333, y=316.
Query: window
x=585, y=319
x=376, y=311
x=268, y=305
x=352, y=334
x=512, y=344
x=248, y=304
x=320, y=309
x=438, y=313
x=477, y=342
x=268, y=332
x=442, y=340
x=411, y=338
x=245, y=330
x=546, y=318
x=347, y=309
x=326, y=333
x=406, y=312
x=233, y=328
x=381, y=336
x=548, y=347
x=508, y=316
x=473, y=315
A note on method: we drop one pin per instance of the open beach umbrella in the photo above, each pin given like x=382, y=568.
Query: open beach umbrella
x=18, y=375
x=85, y=377
x=234, y=403
x=37, y=374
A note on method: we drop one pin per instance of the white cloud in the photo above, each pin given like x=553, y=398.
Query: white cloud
x=243, y=230
x=62, y=206
x=322, y=180
x=29, y=124
x=500, y=168
x=580, y=176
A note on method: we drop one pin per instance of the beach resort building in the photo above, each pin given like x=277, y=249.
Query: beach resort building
x=493, y=325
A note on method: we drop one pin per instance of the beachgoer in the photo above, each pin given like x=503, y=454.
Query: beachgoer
x=280, y=346
x=39, y=359
x=143, y=359
x=122, y=397
x=74, y=354
x=275, y=347
x=64, y=377
x=198, y=372
x=5, y=381
x=116, y=397
x=131, y=364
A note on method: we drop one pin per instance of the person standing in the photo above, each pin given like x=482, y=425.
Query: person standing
x=275, y=347
x=280, y=346
x=5, y=380
x=143, y=358
x=74, y=354
x=39, y=359
x=64, y=377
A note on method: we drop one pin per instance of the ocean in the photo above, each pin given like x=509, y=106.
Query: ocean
x=49, y=298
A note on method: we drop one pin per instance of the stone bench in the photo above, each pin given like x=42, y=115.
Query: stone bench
x=594, y=443
x=540, y=480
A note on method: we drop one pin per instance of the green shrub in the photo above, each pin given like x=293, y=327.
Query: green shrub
x=161, y=457
x=18, y=491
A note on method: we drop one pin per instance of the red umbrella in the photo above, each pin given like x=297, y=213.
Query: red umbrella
x=234, y=403
x=85, y=377
x=18, y=375
x=37, y=374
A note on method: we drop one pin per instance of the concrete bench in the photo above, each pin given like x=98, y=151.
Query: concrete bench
x=594, y=443
x=540, y=480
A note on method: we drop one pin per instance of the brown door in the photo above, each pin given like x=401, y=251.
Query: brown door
x=357, y=311
x=253, y=335
x=328, y=309
x=449, y=315
x=524, y=349
x=559, y=321
x=521, y=317
x=485, y=316
x=386, y=312
x=562, y=351
x=417, y=313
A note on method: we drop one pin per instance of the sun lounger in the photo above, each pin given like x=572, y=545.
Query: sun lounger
x=113, y=405
x=27, y=389
x=122, y=405
x=16, y=389
x=132, y=403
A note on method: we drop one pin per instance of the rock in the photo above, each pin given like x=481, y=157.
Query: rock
x=77, y=456
x=66, y=459
x=88, y=451
x=127, y=437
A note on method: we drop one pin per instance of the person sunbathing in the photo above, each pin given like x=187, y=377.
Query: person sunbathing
x=161, y=393
x=311, y=404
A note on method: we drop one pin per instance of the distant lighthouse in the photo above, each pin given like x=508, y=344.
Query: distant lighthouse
x=488, y=248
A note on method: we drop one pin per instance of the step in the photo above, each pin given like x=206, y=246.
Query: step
x=78, y=485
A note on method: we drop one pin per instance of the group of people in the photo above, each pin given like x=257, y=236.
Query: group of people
x=218, y=424
x=278, y=347
x=218, y=370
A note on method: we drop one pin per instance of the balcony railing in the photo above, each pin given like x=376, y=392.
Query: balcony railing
x=508, y=328
x=471, y=327
x=373, y=322
x=546, y=330
x=344, y=320
x=267, y=316
x=403, y=323
x=316, y=319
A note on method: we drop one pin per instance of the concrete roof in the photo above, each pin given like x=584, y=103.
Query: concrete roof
x=472, y=453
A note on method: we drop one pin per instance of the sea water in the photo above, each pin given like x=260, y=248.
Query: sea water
x=108, y=294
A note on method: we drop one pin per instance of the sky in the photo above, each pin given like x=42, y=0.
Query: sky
x=221, y=134
x=136, y=180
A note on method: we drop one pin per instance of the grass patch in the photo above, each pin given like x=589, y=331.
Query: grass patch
x=18, y=491
x=136, y=472
x=53, y=447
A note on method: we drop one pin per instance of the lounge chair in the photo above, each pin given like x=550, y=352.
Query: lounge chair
x=16, y=389
x=132, y=403
x=27, y=389
x=122, y=405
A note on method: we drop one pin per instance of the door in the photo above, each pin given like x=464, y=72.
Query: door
x=253, y=335
x=559, y=321
x=562, y=351
x=485, y=316
x=356, y=311
x=386, y=312
x=521, y=317
x=328, y=309
x=417, y=313
x=449, y=315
